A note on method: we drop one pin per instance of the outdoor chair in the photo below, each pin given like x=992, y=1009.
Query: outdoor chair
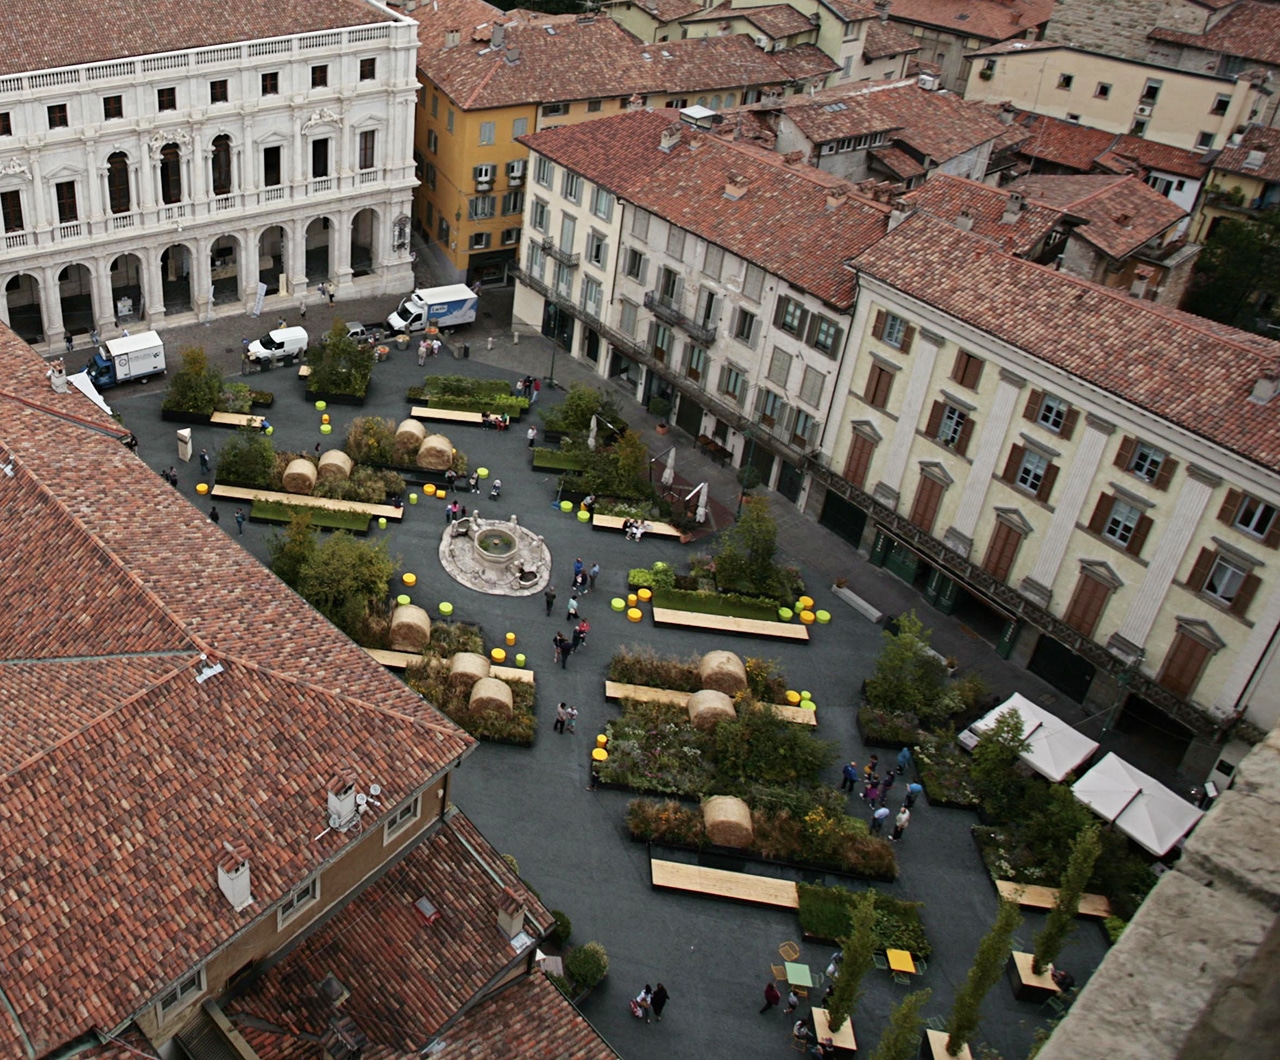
x=779, y=972
x=936, y=1023
x=880, y=961
x=788, y=951
x=902, y=979
x=922, y=966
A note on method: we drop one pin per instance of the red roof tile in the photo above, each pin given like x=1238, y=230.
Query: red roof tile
x=804, y=62
x=776, y=21
x=120, y=775
x=1257, y=156
x=946, y=197
x=45, y=36
x=898, y=162
x=1194, y=373
x=1250, y=31
x=686, y=186
x=984, y=19
x=885, y=39
x=1081, y=147
x=663, y=10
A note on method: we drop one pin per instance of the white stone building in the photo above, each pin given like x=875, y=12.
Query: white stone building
x=163, y=168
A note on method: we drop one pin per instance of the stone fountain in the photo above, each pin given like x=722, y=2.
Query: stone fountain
x=499, y=557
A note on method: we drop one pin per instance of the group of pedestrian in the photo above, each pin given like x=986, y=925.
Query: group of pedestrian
x=454, y=511
x=584, y=580
x=170, y=476
x=876, y=789
x=530, y=387
x=566, y=718
x=650, y=1001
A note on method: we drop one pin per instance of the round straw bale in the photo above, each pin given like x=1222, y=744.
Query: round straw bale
x=409, y=436
x=723, y=671
x=728, y=821
x=490, y=694
x=300, y=476
x=335, y=466
x=410, y=628
x=436, y=453
x=466, y=668
x=708, y=707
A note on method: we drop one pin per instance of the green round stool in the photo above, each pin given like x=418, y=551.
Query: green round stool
x=482, y=472
x=785, y=614
x=269, y=431
x=823, y=617
x=321, y=406
x=402, y=599
x=584, y=516
x=566, y=506
x=804, y=696
x=520, y=659
x=446, y=609
x=413, y=498
x=618, y=603
x=382, y=522
x=325, y=428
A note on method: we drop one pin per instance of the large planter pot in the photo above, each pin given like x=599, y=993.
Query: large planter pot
x=662, y=429
x=175, y=416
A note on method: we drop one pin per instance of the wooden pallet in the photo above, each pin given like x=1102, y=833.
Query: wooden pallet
x=718, y=883
x=1032, y=896
x=749, y=627
x=302, y=500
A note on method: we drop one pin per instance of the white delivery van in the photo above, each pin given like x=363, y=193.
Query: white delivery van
x=282, y=346
x=128, y=357
x=444, y=307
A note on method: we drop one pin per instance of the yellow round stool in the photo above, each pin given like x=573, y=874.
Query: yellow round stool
x=413, y=498
x=806, y=603
x=202, y=488
x=409, y=578
x=602, y=740
x=511, y=639
x=645, y=595
x=324, y=418
x=382, y=522
x=634, y=614
x=807, y=617
x=321, y=406
x=805, y=695
x=325, y=428
x=599, y=754
x=785, y=614
x=793, y=697
x=498, y=655
x=429, y=490
x=482, y=472
x=632, y=599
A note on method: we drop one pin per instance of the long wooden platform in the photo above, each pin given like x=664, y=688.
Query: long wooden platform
x=302, y=500
x=614, y=522
x=400, y=660
x=747, y=627
x=235, y=419
x=670, y=697
x=718, y=883
x=425, y=412
x=1032, y=896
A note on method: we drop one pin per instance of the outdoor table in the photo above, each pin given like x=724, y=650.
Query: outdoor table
x=841, y=1039
x=900, y=961
x=798, y=974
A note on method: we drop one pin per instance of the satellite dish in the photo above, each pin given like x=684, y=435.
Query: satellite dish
x=375, y=790
x=335, y=821
x=361, y=799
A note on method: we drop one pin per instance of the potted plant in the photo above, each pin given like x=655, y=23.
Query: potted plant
x=660, y=407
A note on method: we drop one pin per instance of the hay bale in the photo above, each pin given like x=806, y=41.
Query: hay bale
x=723, y=671
x=490, y=694
x=410, y=628
x=466, y=668
x=728, y=821
x=300, y=476
x=409, y=436
x=435, y=453
x=335, y=466
x=708, y=708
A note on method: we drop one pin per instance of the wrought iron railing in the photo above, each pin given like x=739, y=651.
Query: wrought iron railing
x=669, y=314
x=563, y=256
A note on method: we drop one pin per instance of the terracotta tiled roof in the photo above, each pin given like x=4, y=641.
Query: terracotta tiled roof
x=594, y=59
x=1083, y=147
x=1192, y=372
x=1250, y=31
x=126, y=774
x=774, y=20
x=850, y=10
x=1122, y=213
x=804, y=61
x=1011, y=47
x=946, y=197
x=45, y=36
x=885, y=39
x=408, y=978
x=1150, y=155
x=898, y=162
x=985, y=19
x=1257, y=156
x=663, y=10
x=687, y=187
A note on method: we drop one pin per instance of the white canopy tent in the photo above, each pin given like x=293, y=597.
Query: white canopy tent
x=1054, y=747
x=1140, y=806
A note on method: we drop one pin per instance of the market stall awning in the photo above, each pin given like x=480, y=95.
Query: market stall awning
x=1140, y=806
x=1054, y=748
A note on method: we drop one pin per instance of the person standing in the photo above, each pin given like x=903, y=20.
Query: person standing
x=645, y=1000
x=869, y=770
x=793, y=1002
x=900, y=823
x=532, y=435
x=572, y=714
x=592, y=575
x=562, y=649
x=173, y=477
x=571, y=614
x=877, y=820
x=435, y=347
x=562, y=715
x=575, y=639
x=885, y=785
x=520, y=388
x=850, y=777
x=240, y=520
x=660, y=998
x=422, y=353
x=535, y=391
x=771, y=997
x=904, y=760
x=914, y=791
x=577, y=566
x=71, y=343
x=204, y=461
x=331, y=289
x=549, y=595
x=213, y=514
x=872, y=794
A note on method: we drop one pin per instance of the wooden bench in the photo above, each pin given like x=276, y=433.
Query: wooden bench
x=302, y=500
x=718, y=883
x=1033, y=896
x=747, y=627
x=235, y=419
x=424, y=412
x=647, y=694
x=304, y=371
x=402, y=660
x=614, y=522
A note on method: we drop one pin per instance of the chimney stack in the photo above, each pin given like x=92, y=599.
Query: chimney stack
x=1265, y=387
x=965, y=221
x=735, y=186
x=670, y=137
x=1012, y=209
x=233, y=875
x=499, y=33
x=452, y=38
x=837, y=196
x=510, y=913
x=342, y=802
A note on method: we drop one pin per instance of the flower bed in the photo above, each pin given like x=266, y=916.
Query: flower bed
x=825, y=911
x=883, y=728
x=322, y=518
x=557, y=460
x=645, y=667
x=944, y=770
x=654, y=748
x=729, y=605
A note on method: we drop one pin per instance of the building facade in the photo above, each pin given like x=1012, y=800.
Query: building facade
x=179, y=181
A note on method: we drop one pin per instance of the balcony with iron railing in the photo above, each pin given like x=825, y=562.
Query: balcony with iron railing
x=556, y=254
x=702, y=334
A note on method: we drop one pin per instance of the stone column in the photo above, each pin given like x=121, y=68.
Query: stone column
x=153, y=284
x=991, y=435
x=51, y=304
x=923, y=354
x=104, y=303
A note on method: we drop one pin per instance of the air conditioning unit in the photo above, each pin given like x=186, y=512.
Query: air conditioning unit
x=1143, y=111
x=762, y=42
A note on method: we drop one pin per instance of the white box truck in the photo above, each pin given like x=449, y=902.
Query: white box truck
x=443, y=307
x=129, y=357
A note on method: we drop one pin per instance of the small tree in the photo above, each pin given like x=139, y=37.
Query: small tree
x=1000, y=785
x=907, y=679
x=859, y=950
x=249, y=457
x=1084, y=853
x=587, y=965
x=747, y=552
x=196, y=386
x=292, y=548
x=345, y=579
x=902, y=1040
x=340, y=366
x=988, y=964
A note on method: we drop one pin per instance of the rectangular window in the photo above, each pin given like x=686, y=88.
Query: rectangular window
x=555, y=110
x=319, y=158
x=429, y=175
x=1256, y=517
x=488, y=130
x=539, y=215
x=1220, y=104
x=591, y=296
x=953, y=421
x=661, y=341
x=166, y=99
x=537, y=260
x=1227, y=581
x=183, y=992
x=299, y=900
x=1122, y=522
x=824, y=335
x=695, y=363
x=6, y=124
x=435, y=105
x=640, y=225
x=601, y=203
x=218, y=91
x=627, y=320
x=544, y=172
x=733, y=383
x=510, y=237
x=481, y=207
x=597, y=250
x=1224, y=581
x=594, y=106
x=713, y=261
x=448, y=119
x=746, y=327
x=1052, y=413
x=1065, y=81
x=368, y=69
x=811, y=386
x=1002, y=551
x=1087, y=604
x=879, y=384
x=519, y=127
x=568, y=228
x=675, y=242
x=433, y=141
x=893, y=331
x=112, y=107
x=513, y=202
x=320, y=76
x=967, y=371
x=515, y=172
x=770, y=407
x=634, y=265
x=1152, y=90
x=779, y=367
x=924, y=512
x=571, y=188
x=11, y=210
x=480, y=240
x=1103, y=91
x=859, y=463
x=401, y=818
x=65, y=195
x=57, y=116
x=753, y=283
x=804, y=429
x=1146, y=462
x=368, y=143
x=790, y=316
x=271, y=83
x=1031, y=471
x=670, y=289
x=271, y=166
x=1204, y=141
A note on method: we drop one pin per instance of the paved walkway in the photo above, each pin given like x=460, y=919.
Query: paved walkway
x=713, y=957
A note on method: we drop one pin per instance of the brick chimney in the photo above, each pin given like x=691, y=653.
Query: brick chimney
x=793, y=158
x=1012, y=208
x=635, y=102
x=1141, y=278
x=670, y=137
x=965, y=221
x=735, y=186
x=510, y=913
x=837, y=196
x=233, y=875
x=1265, y=387
x=452, y=38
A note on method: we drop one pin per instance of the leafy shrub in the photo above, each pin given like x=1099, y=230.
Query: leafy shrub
x=945, y=770
x=573, y=414
x=196, y=386
x=586, y=965
x=449, y=638
x=907, y=679
x=825, y=912
x=659, y=406
x=884, y=727
x=1114, y=927
x=366, y=484
x=643, y=666
x=291, y=549
x=261, y=398
x=563, y=929
x=655, y=748
x=495, y=406
x=760, y=745
x=640, y=578
x=371, y=440
x=665, y=822
x=236, y=397
x=430, y=680
x=340, y=365
x=346, y=579
x=764, y=680
x=247, y=457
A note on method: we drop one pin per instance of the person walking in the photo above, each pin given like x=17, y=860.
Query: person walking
x=904, y=760
x=422, y=353
x=645, y=1000
x=572, y=715
x=474, y=482
x=204, y=461
x=793, y=1002
x=771, y=997
x=660, y=998
x=914, y=791
x=532, y=435
x=571, y=614
x=575, y=639
x=592, y=575
x=435, y=347
x=850, y=777
x=577, y=566
x=562, y=715
x=583, y=628
x=561, y=643
x=877, y=820
x=240, y=520
x=549, y=595
x=535, y=391
x=213, y=514
x=900, y=823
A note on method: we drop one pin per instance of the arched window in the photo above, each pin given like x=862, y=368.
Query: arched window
x=170, y=174
x=118, y=182
x=222, y=165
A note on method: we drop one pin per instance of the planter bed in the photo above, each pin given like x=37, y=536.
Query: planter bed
x=870, y=738
x=714, y=604
x=176, y=416
x=278, y=512
x=557, y=463
x=416, y=476
x=802, y=869
x=898, y=924
x=335, y=399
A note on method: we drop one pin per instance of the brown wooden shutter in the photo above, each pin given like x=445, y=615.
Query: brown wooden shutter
x=1139, y=538
x=908, y=337
x=877, y=329
x=1032, y=411
x=1200, y=569
x=1244, y=595
x=925, y=509
x=935, y=419
x=1230, y=507
x=1069, y=424
x=873, y=379
x=1183, y=665
x=779, y=310
x=1272, y=540
x=1001, y=551
x=1014, y=464
x=1046, y=483
x=958, y=368
x=972, y=372
x=1124, y=457
x=859, y=462
x=1101, y=513
x=1165, y=475
x=966, y=433
x=1087, y=604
